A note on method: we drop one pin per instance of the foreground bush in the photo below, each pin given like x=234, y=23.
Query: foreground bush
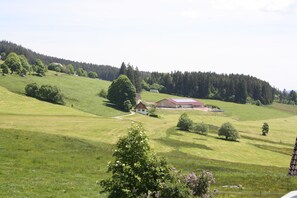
x=138, y=172
x=45, y=92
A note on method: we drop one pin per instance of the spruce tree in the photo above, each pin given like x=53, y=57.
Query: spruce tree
x=123, y=69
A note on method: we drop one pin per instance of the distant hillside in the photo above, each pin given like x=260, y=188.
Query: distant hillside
x=227, y=87
x=104, y=72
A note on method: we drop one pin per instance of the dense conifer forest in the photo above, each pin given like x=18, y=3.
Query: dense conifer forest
x=233, y=87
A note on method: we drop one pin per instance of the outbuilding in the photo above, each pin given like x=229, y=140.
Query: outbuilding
x=141, y=108
x=179, y=103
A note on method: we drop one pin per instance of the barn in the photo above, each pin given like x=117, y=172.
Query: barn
x=179, y=103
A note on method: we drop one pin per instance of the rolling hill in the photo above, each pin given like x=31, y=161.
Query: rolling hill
x=62, y=151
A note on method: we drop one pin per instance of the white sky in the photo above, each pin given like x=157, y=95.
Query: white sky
x=256, y=37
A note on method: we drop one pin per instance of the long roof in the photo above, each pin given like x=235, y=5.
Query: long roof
x=184, y=101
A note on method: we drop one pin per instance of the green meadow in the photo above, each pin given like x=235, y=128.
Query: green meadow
x=62, y=151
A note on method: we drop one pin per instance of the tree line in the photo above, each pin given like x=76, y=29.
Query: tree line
x=233, y=87
x=104, y=72
x=286, y=97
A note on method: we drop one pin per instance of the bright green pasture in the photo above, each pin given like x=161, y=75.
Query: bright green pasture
x=12, y=103
x=80, y=92
x=42, y=165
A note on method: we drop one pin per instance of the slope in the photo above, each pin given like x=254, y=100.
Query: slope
x=80, y=93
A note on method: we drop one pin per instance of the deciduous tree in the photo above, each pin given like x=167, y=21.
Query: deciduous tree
x=184, y=122
x=14, y=63
x=121, y=90
x=228, y=131
x=136, y=170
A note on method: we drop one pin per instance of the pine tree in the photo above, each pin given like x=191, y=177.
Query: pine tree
x=130, y=74
x=123, y=69
x=137, y=80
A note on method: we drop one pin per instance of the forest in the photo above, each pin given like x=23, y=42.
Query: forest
x=233, y=87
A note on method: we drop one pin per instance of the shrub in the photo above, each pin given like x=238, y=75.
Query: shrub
x=152, y=112
x=103, y=93
x=200, y=128
x=92, y=74
x=32, y=90
x=184, y=122
x=228, y=131
x=50, y=94
x=5, y=69
x=45, y=92
x=265, y=129
x=200, y=184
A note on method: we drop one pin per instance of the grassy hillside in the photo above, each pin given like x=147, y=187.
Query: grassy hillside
x=61, y=151
x=12, y=103
x=41, y=165
x=80, y=93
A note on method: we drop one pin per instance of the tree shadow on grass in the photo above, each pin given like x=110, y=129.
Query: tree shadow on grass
x=108, y=104
x=178, y=144
x=172, y=131
x=228, y=140
x=284, y=151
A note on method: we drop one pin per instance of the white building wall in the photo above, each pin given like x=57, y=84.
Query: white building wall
x=141, y=111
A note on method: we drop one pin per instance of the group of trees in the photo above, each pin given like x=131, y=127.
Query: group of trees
x=186, y=124
x=69, y=69
x=45, y=92
x=234, y=87
x=19, y=64
x=286, y=97
x=133, y=75
x=103, y=71
x=58, y=67
x=227, y=129
x=138, y=172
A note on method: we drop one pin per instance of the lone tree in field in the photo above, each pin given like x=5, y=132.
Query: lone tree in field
x=228, y=131
x=265, y=129
x=122, y=93
x=136, y=170
x=184, y=122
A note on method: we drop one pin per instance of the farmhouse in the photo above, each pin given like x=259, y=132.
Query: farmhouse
x=179, y=103
x=141, y=108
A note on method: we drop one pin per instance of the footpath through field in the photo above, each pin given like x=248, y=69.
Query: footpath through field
x=122, y=116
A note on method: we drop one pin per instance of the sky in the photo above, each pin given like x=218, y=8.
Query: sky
x=252, y=37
